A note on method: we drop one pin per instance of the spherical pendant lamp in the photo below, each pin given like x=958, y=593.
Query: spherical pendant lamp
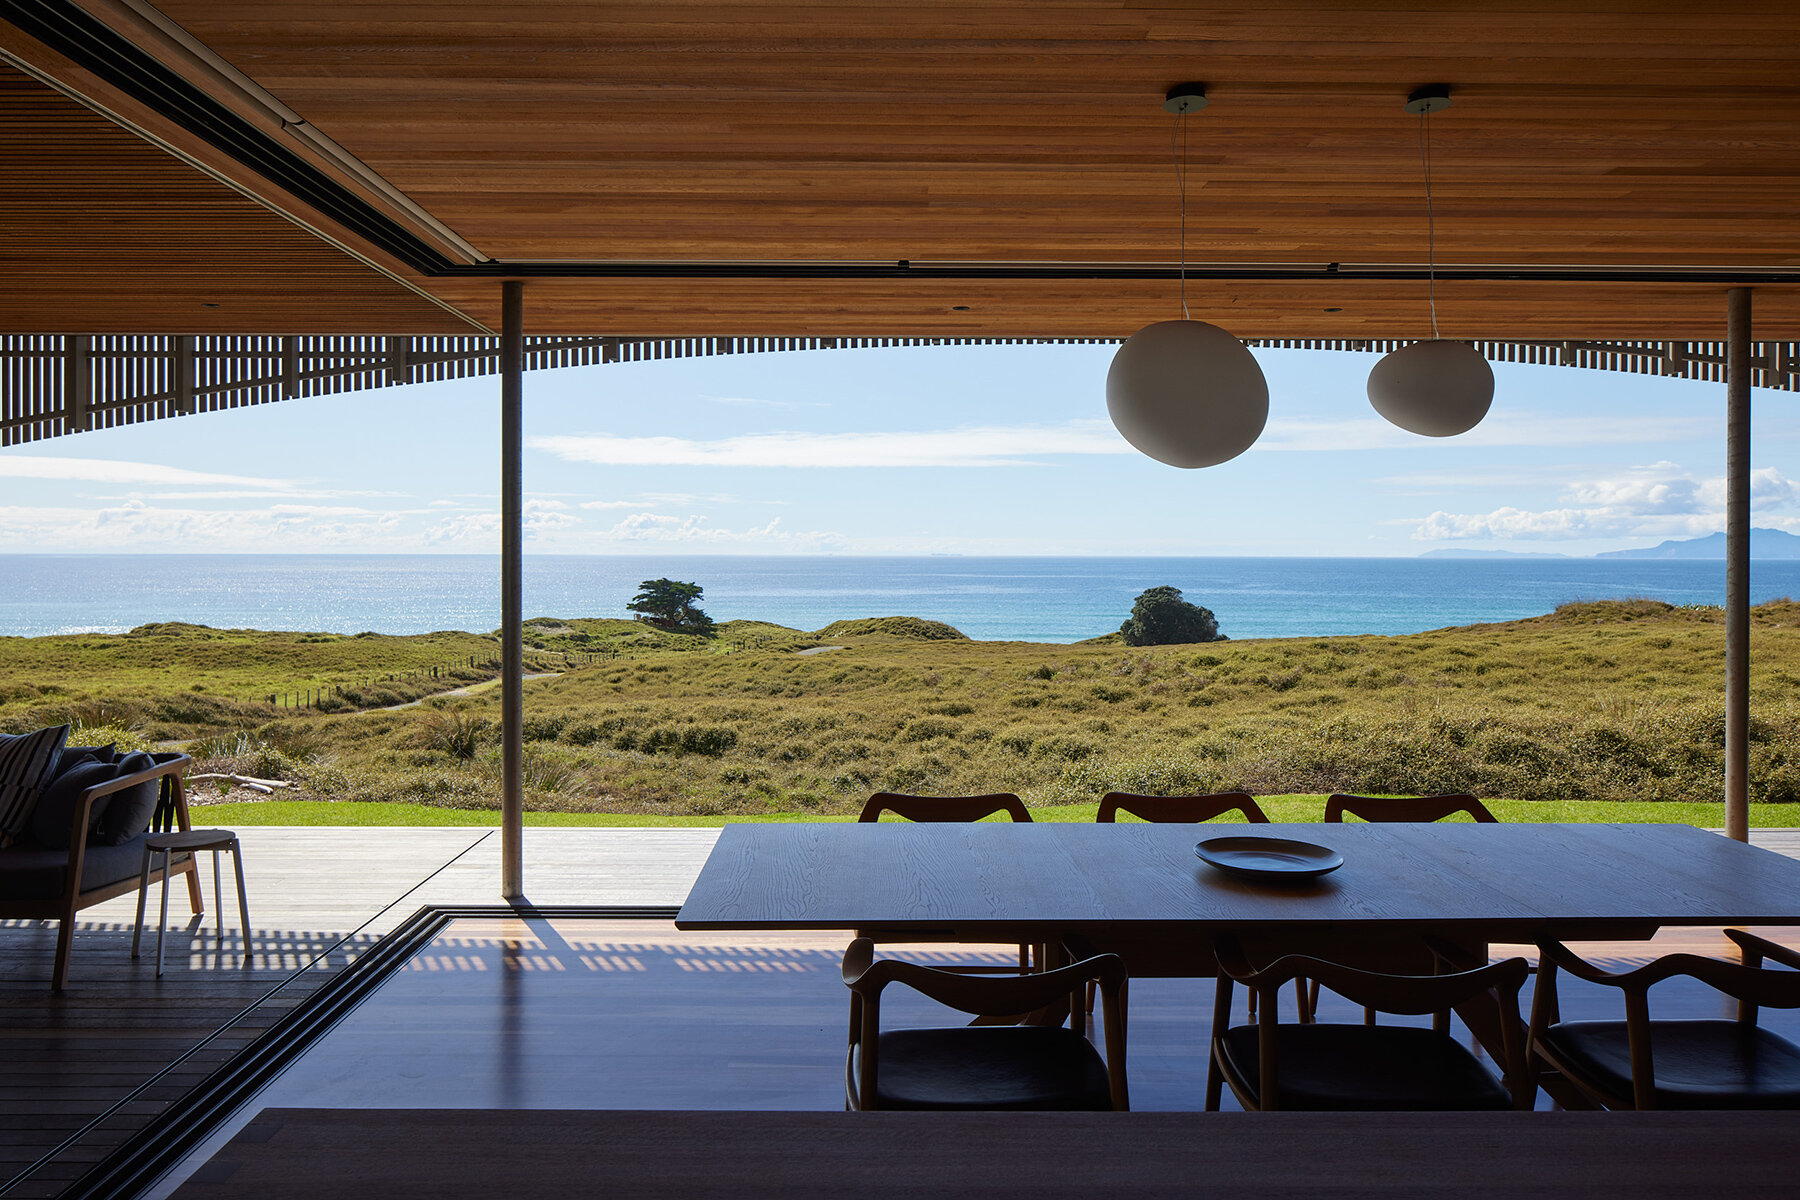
x=1187, y=393
x=1437, y=388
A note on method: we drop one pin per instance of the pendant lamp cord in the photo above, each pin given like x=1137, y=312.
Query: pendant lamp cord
x=1178, y=151
x=1430, y=218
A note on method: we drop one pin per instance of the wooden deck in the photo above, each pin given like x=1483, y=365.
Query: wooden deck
x=513, y=1012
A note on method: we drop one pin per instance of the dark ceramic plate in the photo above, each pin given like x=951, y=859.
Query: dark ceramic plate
x=1269, y=858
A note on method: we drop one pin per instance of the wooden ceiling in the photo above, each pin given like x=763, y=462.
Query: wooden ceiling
x=1644, y=153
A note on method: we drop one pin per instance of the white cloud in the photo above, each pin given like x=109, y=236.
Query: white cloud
x=117, y=472
x=697, y=531
x=989, y=446
x=136, y=526
x=1660, y=500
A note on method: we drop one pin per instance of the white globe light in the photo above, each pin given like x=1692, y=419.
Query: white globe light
x=1439, y=389
x=1187, y=393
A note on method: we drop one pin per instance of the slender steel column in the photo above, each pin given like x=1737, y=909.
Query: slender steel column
x=1737, y=564
x=512, y=604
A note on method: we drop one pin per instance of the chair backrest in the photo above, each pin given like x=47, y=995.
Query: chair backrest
x=1003, y=996
x=1403, y=809
x=1180, y=810
x=947, y=809
x=1749, y=983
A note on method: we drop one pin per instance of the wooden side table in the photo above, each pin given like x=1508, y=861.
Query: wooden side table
x=193, y=841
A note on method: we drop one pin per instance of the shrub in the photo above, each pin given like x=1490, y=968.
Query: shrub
x=457, y=733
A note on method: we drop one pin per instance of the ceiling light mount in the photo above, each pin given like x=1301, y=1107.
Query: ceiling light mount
x=1185, y=98
x=1433, y=97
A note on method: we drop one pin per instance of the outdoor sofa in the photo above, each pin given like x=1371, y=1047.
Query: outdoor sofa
x=77, y=838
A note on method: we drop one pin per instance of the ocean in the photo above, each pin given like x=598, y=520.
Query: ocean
x=1023, y=599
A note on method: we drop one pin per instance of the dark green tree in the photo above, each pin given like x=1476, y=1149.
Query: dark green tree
x=669, y=604
x=1160, y=617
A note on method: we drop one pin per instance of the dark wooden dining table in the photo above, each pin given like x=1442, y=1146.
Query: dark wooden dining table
x=1004, y=882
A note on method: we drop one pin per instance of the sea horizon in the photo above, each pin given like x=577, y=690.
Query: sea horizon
x=991, y=598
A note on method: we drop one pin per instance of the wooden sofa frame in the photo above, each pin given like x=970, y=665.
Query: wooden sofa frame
x=171, y=813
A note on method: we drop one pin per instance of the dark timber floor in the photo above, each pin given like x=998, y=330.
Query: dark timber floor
x=496, y=1013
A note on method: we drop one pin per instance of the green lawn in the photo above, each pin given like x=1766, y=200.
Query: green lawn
x=1279, y=808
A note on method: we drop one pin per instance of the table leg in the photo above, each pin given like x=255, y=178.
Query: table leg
x=1483, y=1020
x=219, y=902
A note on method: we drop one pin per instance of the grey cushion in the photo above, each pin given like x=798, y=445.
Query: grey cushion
x=55, y=810
x=108, y=753
x=32, y=872
x=128, y=813
x=27, y=762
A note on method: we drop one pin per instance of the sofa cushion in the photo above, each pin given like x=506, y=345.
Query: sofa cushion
x=27, y=762
x=55, y=810
x=128, y=813
x=108, y=753
x=32, y=872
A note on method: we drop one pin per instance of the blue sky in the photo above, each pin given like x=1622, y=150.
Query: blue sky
x=971, y=450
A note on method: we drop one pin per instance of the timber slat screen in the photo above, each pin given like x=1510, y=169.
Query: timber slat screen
x=52, y=385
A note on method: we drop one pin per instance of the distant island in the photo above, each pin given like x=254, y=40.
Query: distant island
x=1768, y=544
x=1764, y=543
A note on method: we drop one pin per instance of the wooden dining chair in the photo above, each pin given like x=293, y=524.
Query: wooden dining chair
x=1273, y=1065
x=1397, y=810
x=952, y=810
x=1639, y=1063
x=983, y=1066
x=1181, y=958
x=1180, y=810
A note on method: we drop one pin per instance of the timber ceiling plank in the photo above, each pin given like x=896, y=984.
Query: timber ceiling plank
x=105, y=233
x=1656, y=134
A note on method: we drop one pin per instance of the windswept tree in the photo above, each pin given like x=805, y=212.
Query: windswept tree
x=1160, y=617
x=668, y=604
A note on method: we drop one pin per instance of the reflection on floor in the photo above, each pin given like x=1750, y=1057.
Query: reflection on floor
x=580, y=1013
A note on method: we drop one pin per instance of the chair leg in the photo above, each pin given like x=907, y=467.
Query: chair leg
x=137, y=932
x=196, y=898
x=1215, y=1082
x=65, y=943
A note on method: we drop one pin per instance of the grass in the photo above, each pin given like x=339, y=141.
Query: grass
x=1279, y=808
x=1597, y=708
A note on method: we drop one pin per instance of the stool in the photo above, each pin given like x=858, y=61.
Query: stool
x=193, y=841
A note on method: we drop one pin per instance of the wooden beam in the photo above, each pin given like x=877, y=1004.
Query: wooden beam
x=512, y=541
x=290, y=367
x=181, y=372
x=1737, y=565
x=78, y=384
x=399, y=360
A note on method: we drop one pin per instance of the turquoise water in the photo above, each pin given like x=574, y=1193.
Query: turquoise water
x=1029, y=599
